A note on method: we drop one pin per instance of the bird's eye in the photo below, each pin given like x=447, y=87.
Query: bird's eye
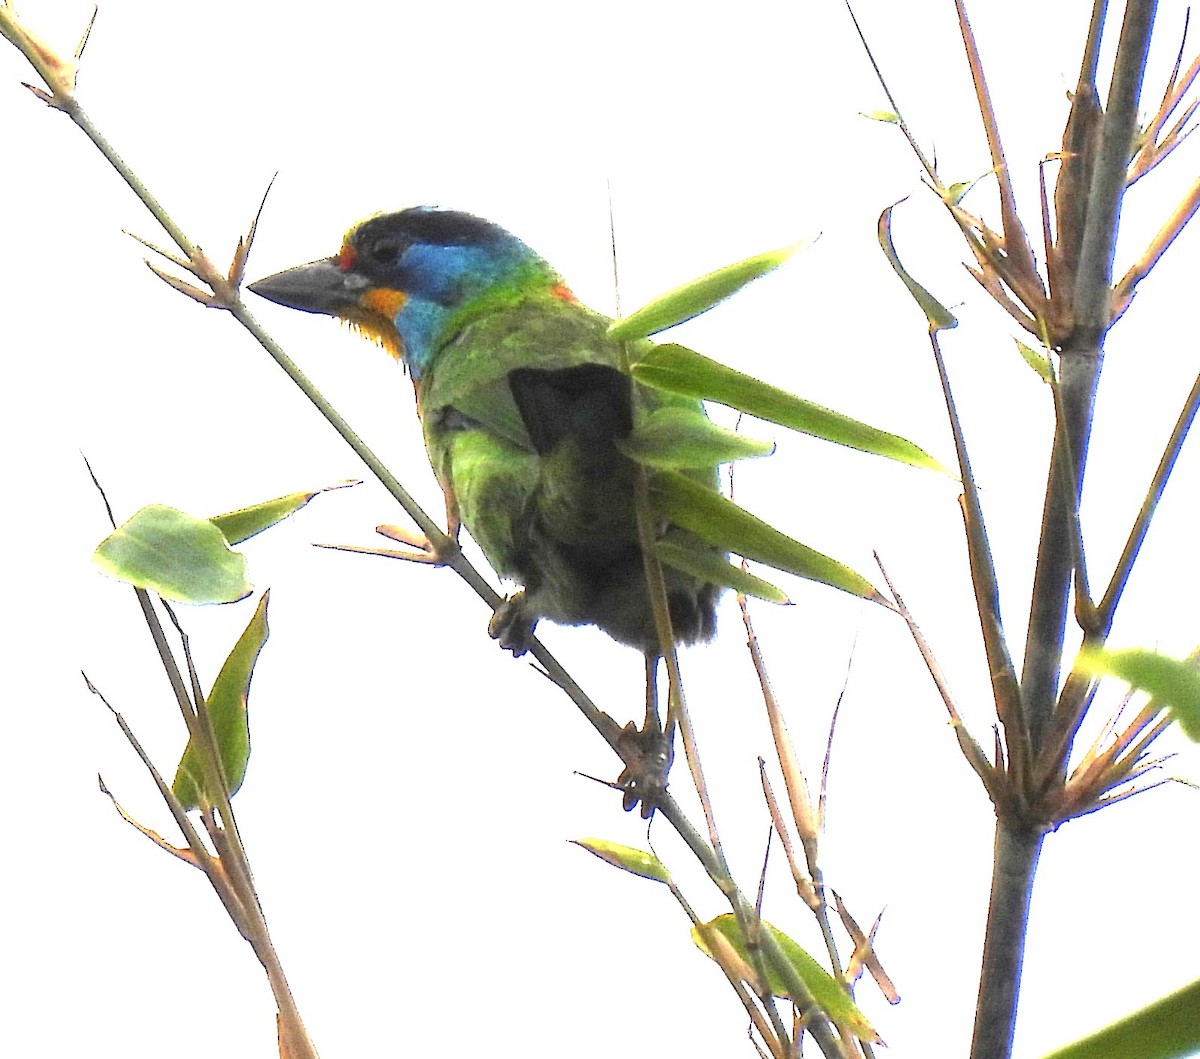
x=385, y=251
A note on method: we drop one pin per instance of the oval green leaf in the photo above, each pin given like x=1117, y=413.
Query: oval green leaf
x=176, y=555
x=720, y=522
x=636, y=861
x=676, y=437
x=245, y=522
x=680, y=370
x=227, y=713
x=1172, y=683
x=822, y=986
x=698, y=296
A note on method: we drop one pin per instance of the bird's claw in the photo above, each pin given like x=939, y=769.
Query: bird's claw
x=647, y=754
x=512, y=625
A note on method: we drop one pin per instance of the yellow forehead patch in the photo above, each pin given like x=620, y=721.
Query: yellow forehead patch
x=349, y=236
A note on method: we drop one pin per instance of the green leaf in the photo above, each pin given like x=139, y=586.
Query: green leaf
x=680, y=370
x=178, y=556
x=1038, y=360
x=822, y=986
x=702, y=563
x=1167, y=1029
x=698, y=296
x=1172, y=683
x=888, y=117
x=955, y=192
x=686, y=437
x=245, y=522
x=940, y=318
x=720, y=522
x=635, y=861
x=227, y=713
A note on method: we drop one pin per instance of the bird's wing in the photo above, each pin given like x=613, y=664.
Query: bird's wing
x=477, y=439
x=471, y=372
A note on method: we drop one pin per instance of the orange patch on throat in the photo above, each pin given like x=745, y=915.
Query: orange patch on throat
x=383, y=301
x=376, y=315
x=563, y=293
x=374, y=329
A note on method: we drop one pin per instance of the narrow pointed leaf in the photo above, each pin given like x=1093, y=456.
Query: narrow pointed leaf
x=680, y=370
x=698, y=296
x=1037, y=360
x=245, y=522
x=686, y=437
x=716, y=571
x=176, y=555
x=1167, y=1029
x=635, y=861
x=823, y=987
x=940, y=318
x=227, y=712
x=720, y=522
x=1172, y=683
x=955, y=192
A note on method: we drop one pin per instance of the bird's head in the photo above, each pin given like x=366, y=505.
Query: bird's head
x=409, y=280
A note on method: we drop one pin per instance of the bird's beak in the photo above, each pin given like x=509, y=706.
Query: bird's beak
x=326, y=287
x=318, y=287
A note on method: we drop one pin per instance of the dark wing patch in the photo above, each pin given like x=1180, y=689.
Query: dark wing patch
x=590, y=402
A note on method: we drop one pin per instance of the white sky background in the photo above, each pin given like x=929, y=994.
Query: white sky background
x=411, y=789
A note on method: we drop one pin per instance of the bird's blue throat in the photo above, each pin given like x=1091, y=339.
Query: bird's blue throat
x=448, y=285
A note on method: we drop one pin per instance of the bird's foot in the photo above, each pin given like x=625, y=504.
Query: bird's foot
x=647, y=754
x=422, y=549
x=512, y=625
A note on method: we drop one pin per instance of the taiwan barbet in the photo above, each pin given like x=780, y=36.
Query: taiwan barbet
x=524, y=408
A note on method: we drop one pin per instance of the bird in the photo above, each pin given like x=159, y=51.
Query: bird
x=526, y=415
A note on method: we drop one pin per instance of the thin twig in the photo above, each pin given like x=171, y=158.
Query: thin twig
x=1164, y=237
x=972, y=751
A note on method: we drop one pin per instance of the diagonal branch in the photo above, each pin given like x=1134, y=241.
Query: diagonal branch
x=971, y=750
x=1005, y=689
x=1166, y=464
x=1166, y=235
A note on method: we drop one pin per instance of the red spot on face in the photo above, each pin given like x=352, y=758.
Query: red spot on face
x=563, y=292
x=346, y=257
